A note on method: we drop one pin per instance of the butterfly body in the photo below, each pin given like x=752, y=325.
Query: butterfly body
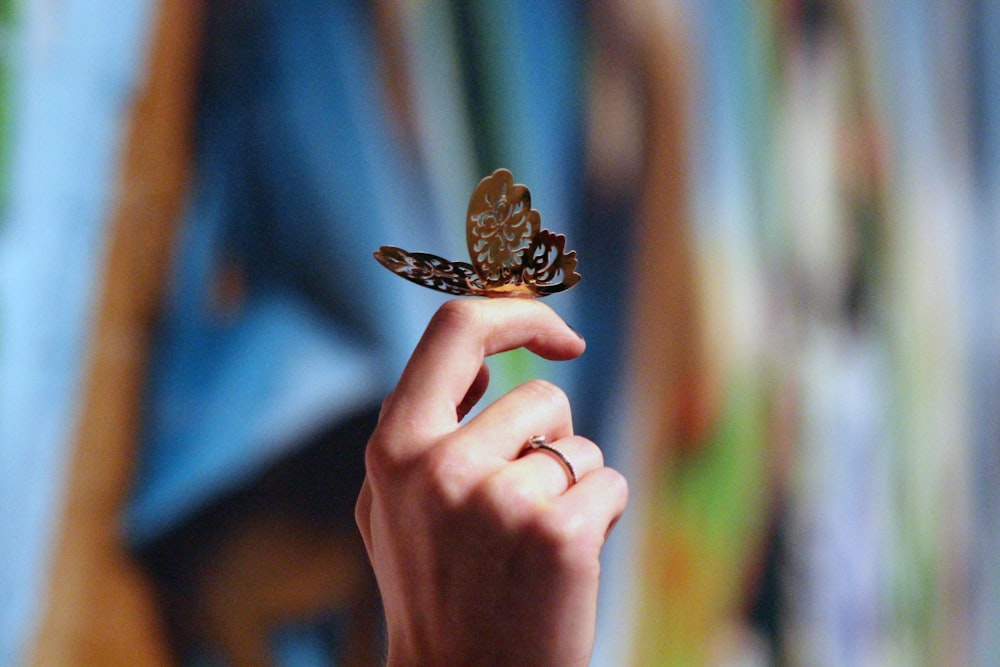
x=512, y=256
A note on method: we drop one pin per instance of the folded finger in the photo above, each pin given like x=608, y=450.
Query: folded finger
x=534, y=408
x=595, y=502
x=556, y=467
x=448, y=358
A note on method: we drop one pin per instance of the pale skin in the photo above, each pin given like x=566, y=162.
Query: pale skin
x=485, y=555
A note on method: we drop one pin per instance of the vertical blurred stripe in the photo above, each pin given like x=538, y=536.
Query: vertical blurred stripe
x=84, y=80
x=704, y=479
x=982, y=276
x=8, y=25
x=99, y=607
x=523, y=77
x=73, y=71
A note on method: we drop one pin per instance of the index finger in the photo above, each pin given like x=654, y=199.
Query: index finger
x=448, y=357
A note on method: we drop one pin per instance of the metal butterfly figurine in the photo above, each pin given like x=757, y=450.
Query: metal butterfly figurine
x=512, y=256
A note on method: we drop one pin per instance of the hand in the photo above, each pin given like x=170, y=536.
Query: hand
x=484, y=556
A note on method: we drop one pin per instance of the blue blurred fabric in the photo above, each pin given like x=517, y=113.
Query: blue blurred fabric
x=300, y=176
x=297, y=176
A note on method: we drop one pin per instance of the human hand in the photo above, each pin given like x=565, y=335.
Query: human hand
x=484, y=556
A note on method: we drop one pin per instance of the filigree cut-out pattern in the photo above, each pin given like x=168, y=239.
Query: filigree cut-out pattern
x=512, y=256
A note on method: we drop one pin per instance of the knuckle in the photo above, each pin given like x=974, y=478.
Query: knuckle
x=384, y=463
x=382, y=470
x=523, y=501
x=564, y=540
x=501, y=490
x=591, y=451
x=551, y=534
x=507, y=502
x=378, y=460
x=449, y=473
x=617, y=484
x=455, y=314
x=441, y=474
x=547, y=394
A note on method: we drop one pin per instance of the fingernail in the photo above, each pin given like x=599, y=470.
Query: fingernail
x=578, y=334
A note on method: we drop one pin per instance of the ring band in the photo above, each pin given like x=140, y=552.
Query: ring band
x=539, y=442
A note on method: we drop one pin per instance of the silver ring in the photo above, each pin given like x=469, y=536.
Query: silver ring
x=538, y=442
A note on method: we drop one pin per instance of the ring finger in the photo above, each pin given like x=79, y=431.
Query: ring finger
x=534, y=408
x=554, y=468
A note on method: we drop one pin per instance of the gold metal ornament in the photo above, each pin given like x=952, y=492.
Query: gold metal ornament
x=512, y=256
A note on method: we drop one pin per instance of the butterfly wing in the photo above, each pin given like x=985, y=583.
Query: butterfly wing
x=432, y=271
x=500, y=225
x=547, y=267
x=512, y=256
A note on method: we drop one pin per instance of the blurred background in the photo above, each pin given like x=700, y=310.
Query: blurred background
x=786, y=214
